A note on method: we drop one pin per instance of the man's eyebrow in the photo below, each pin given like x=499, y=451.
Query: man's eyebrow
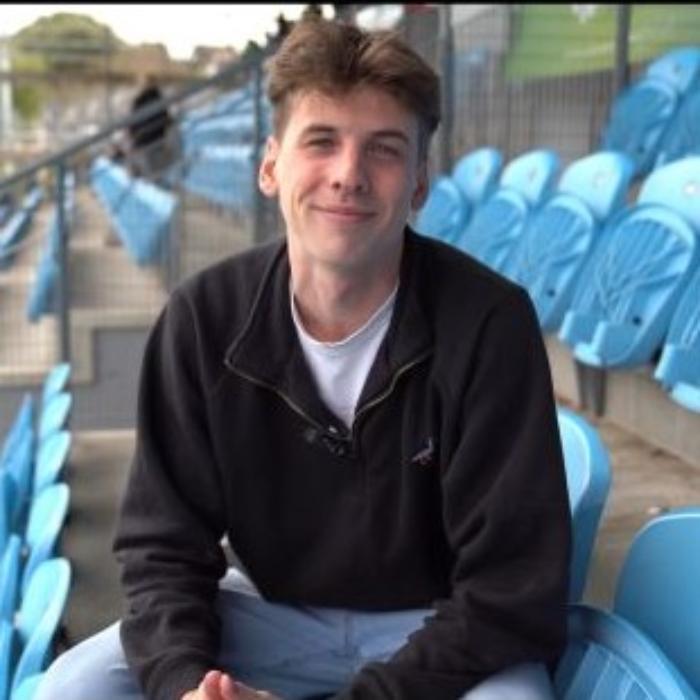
x=318, y=129
x=391, y=133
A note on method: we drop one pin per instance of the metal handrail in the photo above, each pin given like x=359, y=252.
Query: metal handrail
x=252, y=62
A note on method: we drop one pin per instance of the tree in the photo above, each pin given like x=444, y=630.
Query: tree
x=62, y=43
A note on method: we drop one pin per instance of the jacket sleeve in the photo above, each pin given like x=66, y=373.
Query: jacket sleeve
x=170, y=523
x=507, y=518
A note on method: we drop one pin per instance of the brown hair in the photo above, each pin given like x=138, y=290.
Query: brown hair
x=333, y=58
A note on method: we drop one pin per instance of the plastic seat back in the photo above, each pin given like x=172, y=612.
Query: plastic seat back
x=532, y=174
x=26, y=690
x=638, y=119
x=658, y=589
x=7, y=495
x=10, y=562
x=600, y=181
x=497, y=224
x=588, y=479
x=6, y=638
x=550, y=254
x=39, y=617
x=607, y=658
x=46, y=519
x=54, y=414
x=51, y=459
x=682, y=138
x=20, y=467
x=56, y=381
x=22, y=424
x=679, y=68
x=476, y=174
x=495, y=227
x=445, y=212
x=643, y=116
x=632, y=283
x=678, y=369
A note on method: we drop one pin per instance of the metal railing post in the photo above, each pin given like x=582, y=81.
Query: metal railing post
x=62, y=300
x=258, y=202
x=622, y=37
x=447, y=69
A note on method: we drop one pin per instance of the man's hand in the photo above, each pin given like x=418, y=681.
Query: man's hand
x=220, y=686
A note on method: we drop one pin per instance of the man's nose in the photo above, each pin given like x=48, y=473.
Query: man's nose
x=350, y=174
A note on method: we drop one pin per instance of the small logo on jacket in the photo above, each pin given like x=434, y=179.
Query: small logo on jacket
x=425, y=455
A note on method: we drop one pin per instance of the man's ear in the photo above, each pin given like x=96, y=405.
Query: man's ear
x=420, y=193
x=267, y=177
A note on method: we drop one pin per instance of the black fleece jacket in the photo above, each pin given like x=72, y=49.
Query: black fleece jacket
x=449, y=491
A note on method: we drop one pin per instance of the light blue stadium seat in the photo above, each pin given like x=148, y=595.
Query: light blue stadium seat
x=632, y=283
x=55, y=381
x=10, y=568
x=42, y=294
x=658, y=589
x=7, y=493
x=54, y=414
x=30, y=641
x=51, y=459
x=47, y=516
x=23, y=423
x=678, y=368
x=607, y=658
x=682, y=138
x=588, y=478
x=679, y=67
x=222, y=174
x=445, y=212
x=497, y=224
x=140, y=211
x=20, y=467
x=6, y=661
x=641, y=114
x=549, y=256
x=26, y=690
x=476, y=174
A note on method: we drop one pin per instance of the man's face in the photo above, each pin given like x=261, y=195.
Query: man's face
x=347, y=172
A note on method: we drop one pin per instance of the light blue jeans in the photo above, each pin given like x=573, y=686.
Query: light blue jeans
x=293, y=652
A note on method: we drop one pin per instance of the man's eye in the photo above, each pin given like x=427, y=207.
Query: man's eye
x=320, y=143
x=383, y=149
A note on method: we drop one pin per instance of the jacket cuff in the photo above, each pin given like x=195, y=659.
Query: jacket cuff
x=176, y=679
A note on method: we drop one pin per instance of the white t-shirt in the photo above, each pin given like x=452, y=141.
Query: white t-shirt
x=340, y=368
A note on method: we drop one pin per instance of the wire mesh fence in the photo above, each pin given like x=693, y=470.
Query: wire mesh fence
x=515, y=77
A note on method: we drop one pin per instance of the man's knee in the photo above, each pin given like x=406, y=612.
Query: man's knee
x=94, y=668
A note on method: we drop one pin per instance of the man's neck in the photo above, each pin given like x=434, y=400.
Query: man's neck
x=332, y=306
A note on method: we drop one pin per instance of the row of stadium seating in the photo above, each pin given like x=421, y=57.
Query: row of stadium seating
x=17, y=225
x=646, y=646
x=34, y=504
x=656, y=120
x=618, y=280
x=42, y=294
x=140, y=212
x=218, y=146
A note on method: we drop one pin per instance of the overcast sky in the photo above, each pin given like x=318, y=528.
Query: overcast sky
x=179, y=27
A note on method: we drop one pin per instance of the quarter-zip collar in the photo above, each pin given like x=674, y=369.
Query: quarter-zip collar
x=267, y=350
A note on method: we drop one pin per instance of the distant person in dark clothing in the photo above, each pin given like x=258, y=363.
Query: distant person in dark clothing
x=152, y=148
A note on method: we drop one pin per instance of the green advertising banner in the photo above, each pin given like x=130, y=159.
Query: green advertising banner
x=556, y=40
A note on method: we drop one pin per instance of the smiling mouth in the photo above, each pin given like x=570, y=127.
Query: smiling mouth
x=345, y=213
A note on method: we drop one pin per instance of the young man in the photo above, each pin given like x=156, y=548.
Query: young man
x=366, y=413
